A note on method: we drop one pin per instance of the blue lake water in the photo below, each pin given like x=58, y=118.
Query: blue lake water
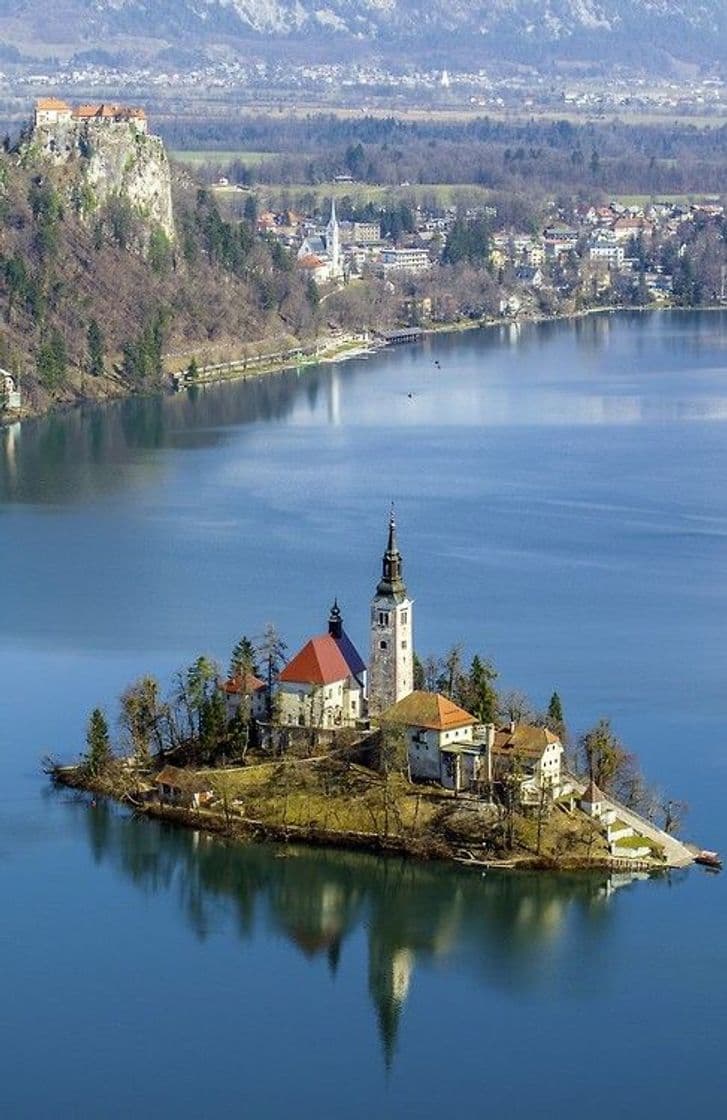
x=562, y=506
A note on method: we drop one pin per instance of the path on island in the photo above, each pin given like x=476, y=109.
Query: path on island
x=676, y=853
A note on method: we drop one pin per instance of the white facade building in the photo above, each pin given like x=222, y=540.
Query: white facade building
x=439, y=739
x=406, y=260
x=9, y=392
x=324, y=685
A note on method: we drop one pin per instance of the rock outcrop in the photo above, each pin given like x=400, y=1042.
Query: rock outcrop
x=107, y=154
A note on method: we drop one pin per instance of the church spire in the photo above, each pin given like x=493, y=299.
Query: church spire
x=391, y=582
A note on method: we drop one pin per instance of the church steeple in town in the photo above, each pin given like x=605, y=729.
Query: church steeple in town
x=333, y=241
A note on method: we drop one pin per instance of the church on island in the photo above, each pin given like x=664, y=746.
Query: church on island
x=327, y=687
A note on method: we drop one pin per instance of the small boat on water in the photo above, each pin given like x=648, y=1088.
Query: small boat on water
x=709, y=859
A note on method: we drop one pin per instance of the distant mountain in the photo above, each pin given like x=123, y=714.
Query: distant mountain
x=528, y=30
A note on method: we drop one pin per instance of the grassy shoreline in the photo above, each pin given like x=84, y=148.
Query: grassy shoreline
x=430, y=843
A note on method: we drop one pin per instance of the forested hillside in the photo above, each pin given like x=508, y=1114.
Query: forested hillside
x=89, y=304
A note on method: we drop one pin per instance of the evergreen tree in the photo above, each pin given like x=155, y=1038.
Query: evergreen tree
x=52, y=360
x=243, y=659
x=98, y=755
x=555, y=710
x=272, y=650
x=250, y=209
x=96, y=349
x=555, y=719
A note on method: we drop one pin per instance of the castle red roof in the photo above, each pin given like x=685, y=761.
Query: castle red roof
x=52, y=103
x=319, y=662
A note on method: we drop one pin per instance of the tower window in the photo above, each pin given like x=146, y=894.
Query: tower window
x=404, y=617
x=383, y=645
x=403, y=645
x=383, y=618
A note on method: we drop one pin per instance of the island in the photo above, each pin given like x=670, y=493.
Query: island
x=422, y=758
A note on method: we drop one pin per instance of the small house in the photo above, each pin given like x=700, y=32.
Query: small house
x=592, y=802
x=247, y=691
x=9, y=392
x=183, y=788
x=531, y=754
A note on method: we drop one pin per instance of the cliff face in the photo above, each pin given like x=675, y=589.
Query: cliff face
x=106, y=159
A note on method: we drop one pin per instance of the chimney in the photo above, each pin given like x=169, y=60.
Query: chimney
x=490, y=735
x=512, y=726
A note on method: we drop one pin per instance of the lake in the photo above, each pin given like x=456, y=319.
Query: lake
x=562, y=508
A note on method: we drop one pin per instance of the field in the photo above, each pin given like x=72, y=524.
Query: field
x=195, y=157
x=303, y=195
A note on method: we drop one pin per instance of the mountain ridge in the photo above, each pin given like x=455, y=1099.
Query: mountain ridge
x=526, y=30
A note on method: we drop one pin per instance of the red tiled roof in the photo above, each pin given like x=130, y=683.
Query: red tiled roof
x=52, y=103
x=319, y=662
x=428, y=709
x=244, y=683
x=524, y=739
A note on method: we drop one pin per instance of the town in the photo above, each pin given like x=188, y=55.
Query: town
x=588, y=256
x=326, y=748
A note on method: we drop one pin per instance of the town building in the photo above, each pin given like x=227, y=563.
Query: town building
x=606, y=251
x=365, y=233
x=324, y=685
x=391, y=664
x=405, y=260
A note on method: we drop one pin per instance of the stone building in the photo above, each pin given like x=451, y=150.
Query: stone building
x=391, y=664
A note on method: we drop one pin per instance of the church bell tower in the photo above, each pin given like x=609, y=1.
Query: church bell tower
x=391, y=665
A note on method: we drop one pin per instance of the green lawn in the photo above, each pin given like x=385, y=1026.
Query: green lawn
x=644, y=199
x=198, y=156
x=445, y=194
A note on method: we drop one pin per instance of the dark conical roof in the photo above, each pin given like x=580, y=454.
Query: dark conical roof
x=391, y=582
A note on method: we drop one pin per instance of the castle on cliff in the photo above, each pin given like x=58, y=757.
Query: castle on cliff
x=110, y=153
x=52, y=111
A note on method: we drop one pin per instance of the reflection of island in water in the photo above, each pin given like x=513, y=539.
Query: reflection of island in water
x=502, y=928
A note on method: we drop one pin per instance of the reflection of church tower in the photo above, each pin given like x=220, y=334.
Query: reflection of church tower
x=333, y=241
x=390, y=972
x=391, y=665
